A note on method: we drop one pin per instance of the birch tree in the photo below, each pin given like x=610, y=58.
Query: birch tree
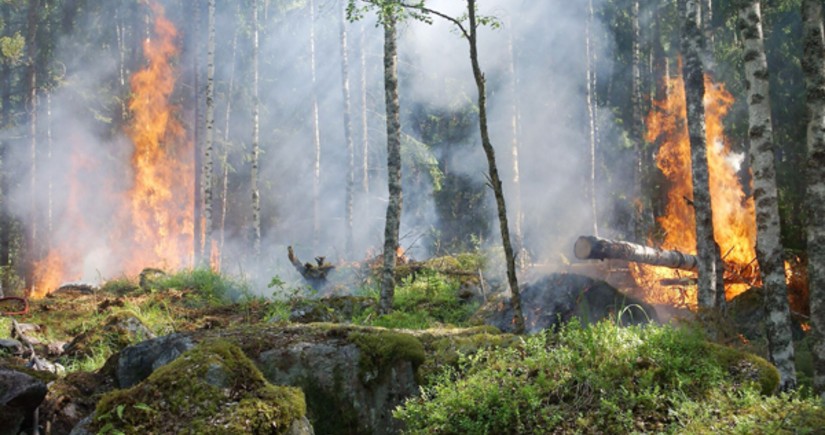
x=350, y=181
x=316, y=132
x=768, y=242
x=710, y=284
x=813, y=66
x=591, y=115
x=206, y=179
x=256, y=149
x=31, y=103
x=197, y=239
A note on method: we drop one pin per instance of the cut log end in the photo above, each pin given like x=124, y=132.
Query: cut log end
x=584, y=248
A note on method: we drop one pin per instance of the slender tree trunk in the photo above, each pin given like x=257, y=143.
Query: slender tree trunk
x=365, y=133
x=768, y=241
x=706, y=249
x=641, y=227
x=227, y=124
x=316, y=133
x=120, y=32
x=256, y=108
x=350, y=187
x=393, y=221
x=31, y=100
x=813, y=66
x=495, y=180
x=197, y=248
x=707, y=25
x=591, y=116
x=515, y=130
x=49, y=184
x=206, y=181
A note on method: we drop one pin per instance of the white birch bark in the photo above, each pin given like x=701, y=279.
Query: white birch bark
x=256, y=109
x=768, y=242
x=813, y=66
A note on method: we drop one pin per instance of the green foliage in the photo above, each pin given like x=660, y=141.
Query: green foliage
x=602, y=379
x=207, y=285
x=12, y=47
x=423, y=300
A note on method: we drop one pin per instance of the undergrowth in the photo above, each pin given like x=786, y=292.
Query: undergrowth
x=609, y=379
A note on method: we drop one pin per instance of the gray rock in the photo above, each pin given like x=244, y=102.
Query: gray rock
x=44, y=365
x=337, y=393
x=557, y=298
x=82, y=427
x=138, y=361
x=302, y=426
x=20, y=395
x=12, y=346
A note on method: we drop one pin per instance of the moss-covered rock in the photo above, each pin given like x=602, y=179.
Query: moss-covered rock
x=380, y=350
x=118, y=331
x=746, y=367
x=212, y=388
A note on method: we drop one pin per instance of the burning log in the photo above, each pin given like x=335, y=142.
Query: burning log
x=595, y=248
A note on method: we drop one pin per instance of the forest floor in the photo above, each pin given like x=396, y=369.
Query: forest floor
x=601, y=377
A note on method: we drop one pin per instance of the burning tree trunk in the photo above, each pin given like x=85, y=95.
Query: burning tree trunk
x=256, y=151
x=769, y=244
x=393, y=221
x=710, y=287
x=813, y=65
x=350, y=188
x=643, y=219
x=595, y=248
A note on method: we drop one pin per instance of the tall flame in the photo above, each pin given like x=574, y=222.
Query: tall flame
x=734, y=223
x=154, y=224
x=160, y=202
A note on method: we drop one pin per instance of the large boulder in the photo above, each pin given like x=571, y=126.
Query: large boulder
x=20, y=395
x=211, y=388
x=135, y=363
x=558, y=297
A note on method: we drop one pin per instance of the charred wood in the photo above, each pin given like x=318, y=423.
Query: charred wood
x=595, y=248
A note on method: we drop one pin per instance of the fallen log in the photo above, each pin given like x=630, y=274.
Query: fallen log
x=595, y=248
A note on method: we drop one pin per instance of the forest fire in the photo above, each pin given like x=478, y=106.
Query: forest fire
x=154, y=225
x=159, y=207
x=733, y=213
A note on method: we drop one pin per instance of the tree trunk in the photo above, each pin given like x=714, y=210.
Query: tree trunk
x=595, y=248
x=226, y=128
x=256, y=108
x=49, y=183
x=197, y=245
x=31, y=100
x=515, y=128
x=393, y=221
x=813, y=66
x=707, y=251
x=642, y=221
x=495, y=180
x=316, y=133
x=591, y=115
x=365, y=133
x=350, y=187
x=768, y=241
x=206, y=181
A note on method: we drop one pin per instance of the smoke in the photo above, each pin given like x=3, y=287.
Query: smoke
x=88, y=169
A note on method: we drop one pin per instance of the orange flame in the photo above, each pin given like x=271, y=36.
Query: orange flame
x=734, y=221
x=154, y=225
x=161, y=199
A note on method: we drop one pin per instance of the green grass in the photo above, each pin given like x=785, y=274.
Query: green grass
x=426, y=300
x=607, y=379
